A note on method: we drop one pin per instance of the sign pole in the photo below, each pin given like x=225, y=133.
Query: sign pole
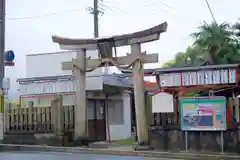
x=2, y=53
x=186, y=141
x=222, y=142
x=1, y=115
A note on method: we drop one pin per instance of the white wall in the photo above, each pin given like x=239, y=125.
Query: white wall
x=49, y=64
x=122, y=131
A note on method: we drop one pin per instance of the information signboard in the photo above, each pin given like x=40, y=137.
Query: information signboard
x=203, y=114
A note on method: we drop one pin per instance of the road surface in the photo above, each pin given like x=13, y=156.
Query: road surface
x=63, y=156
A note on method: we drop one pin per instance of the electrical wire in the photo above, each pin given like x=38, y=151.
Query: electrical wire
x=106, y=5
x=111, y=6
x=43, y=15
x=211, y=12
x=166, y=5
x=162, y=10
x=169, y=11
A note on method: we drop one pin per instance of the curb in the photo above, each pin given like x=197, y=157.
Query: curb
x=152, y=154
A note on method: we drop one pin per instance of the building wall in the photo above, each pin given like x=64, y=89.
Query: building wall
x=49, y=64
x=122, y=130
x=118, y=111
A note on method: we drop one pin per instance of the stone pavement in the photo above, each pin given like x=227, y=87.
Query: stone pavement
x=120, y=151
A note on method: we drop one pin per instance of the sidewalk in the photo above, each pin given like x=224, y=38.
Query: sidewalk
x=120, y=151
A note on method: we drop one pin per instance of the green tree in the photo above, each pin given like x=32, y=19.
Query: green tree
x=212, y=38
x=228, y=54
x=193, y=56
x=217, y=43
x=236, y=29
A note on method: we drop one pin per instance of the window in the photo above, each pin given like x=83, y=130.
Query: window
x=115, y=112
x=100, y=110
x=90, y=111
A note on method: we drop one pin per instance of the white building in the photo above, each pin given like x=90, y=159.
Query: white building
x=45, y=78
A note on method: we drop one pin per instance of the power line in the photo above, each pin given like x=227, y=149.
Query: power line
x=44, y=15
x=211, y=12
x=163, y=10
x=101, y=8
x=166, y=5
x=169, y=11
x=111, y=6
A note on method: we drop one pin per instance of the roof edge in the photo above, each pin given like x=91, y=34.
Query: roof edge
x=196, y=68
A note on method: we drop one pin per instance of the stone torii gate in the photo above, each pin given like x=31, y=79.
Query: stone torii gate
x=105, y=47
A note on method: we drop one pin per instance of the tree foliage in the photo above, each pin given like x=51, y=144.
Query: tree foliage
x=218, y=44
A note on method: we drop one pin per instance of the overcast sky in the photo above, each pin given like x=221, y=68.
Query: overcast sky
x=30, y=24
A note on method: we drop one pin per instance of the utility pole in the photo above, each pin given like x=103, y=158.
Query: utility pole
x=95, y=18
x=95, y=11
x=2, y=65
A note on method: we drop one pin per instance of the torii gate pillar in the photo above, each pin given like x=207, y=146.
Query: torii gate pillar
x=80, y=109
x=139, y=96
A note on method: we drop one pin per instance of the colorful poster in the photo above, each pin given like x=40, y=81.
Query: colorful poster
x=203, y=113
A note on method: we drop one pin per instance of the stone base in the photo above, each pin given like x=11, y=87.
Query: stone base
x=29, y=139
x=33, y=139
x=143, y=146
x=82, y=141
x=101, y=145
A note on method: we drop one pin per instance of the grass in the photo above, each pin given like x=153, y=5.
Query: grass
x=127, y=141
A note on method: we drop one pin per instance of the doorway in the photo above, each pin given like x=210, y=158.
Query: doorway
x=96, y=120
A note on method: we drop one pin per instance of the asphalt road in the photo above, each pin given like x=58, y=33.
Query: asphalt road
x=63, y=156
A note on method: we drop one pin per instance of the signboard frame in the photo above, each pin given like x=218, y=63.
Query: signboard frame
x=196, y=116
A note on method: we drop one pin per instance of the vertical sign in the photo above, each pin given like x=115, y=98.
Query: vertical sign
x=216, y=77
x=224, y=76
x=232, y=76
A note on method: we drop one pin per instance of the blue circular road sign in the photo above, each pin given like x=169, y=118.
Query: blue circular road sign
x=9, y=56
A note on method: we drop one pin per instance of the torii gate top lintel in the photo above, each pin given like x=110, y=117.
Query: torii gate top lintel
x=143, y=36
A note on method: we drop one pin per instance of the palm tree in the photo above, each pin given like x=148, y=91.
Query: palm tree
x=236, y=28
x=212, y=37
